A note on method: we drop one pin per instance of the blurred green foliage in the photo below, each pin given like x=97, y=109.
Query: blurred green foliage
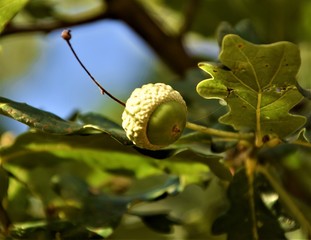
x=76, y=178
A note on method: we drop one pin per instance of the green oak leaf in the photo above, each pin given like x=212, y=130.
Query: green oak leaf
x=48, y=122
x=258, y=82
x=96, y=137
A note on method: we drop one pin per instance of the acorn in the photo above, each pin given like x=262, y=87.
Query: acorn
x=155, y=116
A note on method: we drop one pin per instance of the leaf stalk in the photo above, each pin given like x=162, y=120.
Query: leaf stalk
x=286, y=199
x=219, y=133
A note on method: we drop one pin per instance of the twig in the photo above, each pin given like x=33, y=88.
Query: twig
x=251, y=164
x=169, y=48
x=301, y=143
x=286, y=199
x=67, y=36
x=219, y=133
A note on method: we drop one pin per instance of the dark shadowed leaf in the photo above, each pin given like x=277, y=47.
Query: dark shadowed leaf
x=50, y=123
x=97, y=121
x=193, y=148
x=49, y=229
x=5, y=221
x=160, y=222
x=244, y=29
x=36, y=118
x=4, y=183
x=305, y=92
x=221, y=145
x=100, y=209
x=237, y=222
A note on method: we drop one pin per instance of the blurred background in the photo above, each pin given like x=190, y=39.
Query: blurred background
x=126, y=43
x=37, y=67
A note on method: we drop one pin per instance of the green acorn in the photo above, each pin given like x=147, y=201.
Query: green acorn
x=155, y=116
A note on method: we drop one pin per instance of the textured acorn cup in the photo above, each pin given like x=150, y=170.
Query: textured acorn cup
x=155, y=116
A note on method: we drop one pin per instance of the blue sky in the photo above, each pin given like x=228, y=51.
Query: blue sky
x=116, y=57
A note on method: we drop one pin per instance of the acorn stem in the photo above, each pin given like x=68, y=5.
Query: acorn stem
x=67, y=36
x=219, y=133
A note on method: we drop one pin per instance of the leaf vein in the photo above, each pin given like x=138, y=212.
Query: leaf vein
x=278, y=70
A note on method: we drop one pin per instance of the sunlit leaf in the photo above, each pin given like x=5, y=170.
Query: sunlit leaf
x=98, y=151
x=99, y=141
x=8, y=9
x=101, y=152
x=259, y=84
x=102, y=149
x=81, y=136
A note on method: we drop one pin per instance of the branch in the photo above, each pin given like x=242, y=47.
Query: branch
x=47, y=27
x=169, y=48
x=190, y=11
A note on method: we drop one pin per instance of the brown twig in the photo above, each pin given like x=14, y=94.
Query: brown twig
x=48, y=27
x=67, y=36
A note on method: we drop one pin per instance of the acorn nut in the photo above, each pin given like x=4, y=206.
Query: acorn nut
x=155, y=116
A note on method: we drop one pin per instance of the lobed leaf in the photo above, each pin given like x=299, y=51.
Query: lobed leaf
x=258, y=82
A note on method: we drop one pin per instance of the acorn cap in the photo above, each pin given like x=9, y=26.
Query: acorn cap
x=154, y=116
